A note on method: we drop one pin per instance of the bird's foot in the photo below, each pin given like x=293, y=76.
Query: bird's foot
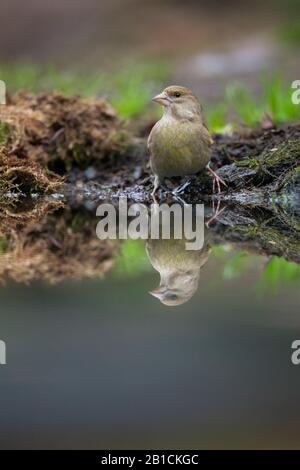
x=179, y=199
x=158, y=185
x=180, y=189
x=175, y=192
x=216, y=179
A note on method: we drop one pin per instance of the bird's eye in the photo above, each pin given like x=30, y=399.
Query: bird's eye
x=171, y=296
x=177, y=94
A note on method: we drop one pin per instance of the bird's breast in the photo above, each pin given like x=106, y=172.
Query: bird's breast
x=178, y=148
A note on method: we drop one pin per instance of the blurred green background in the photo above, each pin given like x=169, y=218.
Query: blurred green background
x=239, y=57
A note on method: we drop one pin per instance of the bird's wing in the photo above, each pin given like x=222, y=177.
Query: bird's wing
x=207, y=134
x=151, y=135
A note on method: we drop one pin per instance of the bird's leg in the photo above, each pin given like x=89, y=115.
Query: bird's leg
x=158, y=183
x=216, y=179
x=216, y=213
x=155, y=188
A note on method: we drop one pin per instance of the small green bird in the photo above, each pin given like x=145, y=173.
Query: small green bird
x=178, y=267
x=179, y=143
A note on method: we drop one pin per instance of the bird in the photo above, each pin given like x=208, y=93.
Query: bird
x=180, y=143
x=178, y=267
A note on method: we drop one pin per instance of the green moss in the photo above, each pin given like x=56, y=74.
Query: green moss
x=79, y=156
x=280, y=159
x=4, y=132
x=278, y=164
x=3, y=244
x=248, y=162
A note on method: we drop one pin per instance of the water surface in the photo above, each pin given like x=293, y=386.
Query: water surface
x=95, y=361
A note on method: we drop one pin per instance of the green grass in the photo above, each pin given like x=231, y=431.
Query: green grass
x=216, y=117
x=133, y=87
x=133, y=259
x=275, y=273
x=239, y=105
x=34, y=78
x=280, y=272
x=129, y=90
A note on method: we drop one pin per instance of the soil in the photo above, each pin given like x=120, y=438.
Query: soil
x=51, y=142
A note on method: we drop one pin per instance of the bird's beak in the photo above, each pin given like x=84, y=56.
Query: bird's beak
x=156, y=293
x=162, y=98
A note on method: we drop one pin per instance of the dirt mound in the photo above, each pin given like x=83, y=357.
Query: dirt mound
x=45, y=136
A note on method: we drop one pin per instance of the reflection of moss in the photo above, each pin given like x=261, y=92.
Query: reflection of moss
x=289, y=247
x=269, y=233
x=3, y=244
x=272, y=238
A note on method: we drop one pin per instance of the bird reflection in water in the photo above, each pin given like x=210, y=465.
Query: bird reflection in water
x=179, y=268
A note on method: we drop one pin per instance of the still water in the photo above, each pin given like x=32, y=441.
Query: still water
x=95, y=361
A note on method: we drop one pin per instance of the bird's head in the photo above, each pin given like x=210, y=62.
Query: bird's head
x=176, y=290
x=179, y=101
